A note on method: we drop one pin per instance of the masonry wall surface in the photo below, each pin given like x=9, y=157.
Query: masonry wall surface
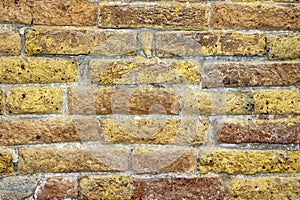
x=150, y=99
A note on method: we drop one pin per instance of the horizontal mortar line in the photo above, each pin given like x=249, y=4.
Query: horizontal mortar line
x=11, y=85
x=77, y=144
x=261, y=146
x=25, y=56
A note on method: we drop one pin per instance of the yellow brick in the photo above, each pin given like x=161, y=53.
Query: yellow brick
x=146, y=41
x=6, y=164
x=153, y=15
x=276, y=188
x=212, y=43
x=277, y=102
x=10, y=41
x=144, y=71
x=15, y=70
x=283, y=46
x=15, y=12
x=75, y=41
x=76, y=158
x=216, y=103
x=1, y=104
x=248, y=162
x=152, y=130
x=105, y=187
x=34, y=100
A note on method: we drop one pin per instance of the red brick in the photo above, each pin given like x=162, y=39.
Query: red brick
x=280, y=131
x=177, y=188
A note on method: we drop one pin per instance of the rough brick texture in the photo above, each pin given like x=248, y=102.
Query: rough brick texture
x=75, y=158
x=255, y=16
x=263, y=187
x=177, y=188
x=34, y=100
x=15, y=70
x=10, y=41
x=144, y=99
x=150, y=100
x=144, y=71
x=105, y=187
x=153, y=15
x=215, y=43
x=243, y=130
x=249, y=74
x=75, y=41
x=248, y=162
x=47, y=130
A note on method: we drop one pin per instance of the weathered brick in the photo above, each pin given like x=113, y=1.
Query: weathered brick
x=146, y=42
x=216, y=103
x=57, y=12
x=255, y=16
x=283, y=46
x=34, y=100
x=47, y=130
x=6, y=163
x=243, y=74
x=153, y=15
x=177, y=188
x=76, y=158
x=61, y=187
x=163, y=159
x=38, y=187
x=215, y=43
x=17, y=187
x=273, y=187
x=15, y=12
x=145, y=100
x=248, y=162
x=287, y=1
x=248, y=130
x=277, y=101
x=140, y=70
x=16, y=70
x=154, y=130
x=10, y=41
x=75, y=41
x=1, y=104
x=105, y=187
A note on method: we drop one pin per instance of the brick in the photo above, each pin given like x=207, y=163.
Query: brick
x=283, y=46
x=10, y=41
x=58, y=188
x=47, y=130
x=76, y=158
x=154, y=130
x=17, y=70
x=254, y=16
x=103, y=101
x=34, y=100
x=163, y=159
x=56, y=12
x=6, y=164
x=76, y=41
x=177, y=188
x=140, y=70
x=277, y=102
x=287, y=1
x=248, y=130
x=105, y=187
x=217, y=103
x=273, y=187
x=249, y=74
x=1, y=104
x=17, y=187
x=213, y=43
x=159, y=15
x=146, y=42
x=15, y=12
x=248, y=162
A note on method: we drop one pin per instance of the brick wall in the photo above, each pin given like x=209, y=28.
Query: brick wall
x=149, y=100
